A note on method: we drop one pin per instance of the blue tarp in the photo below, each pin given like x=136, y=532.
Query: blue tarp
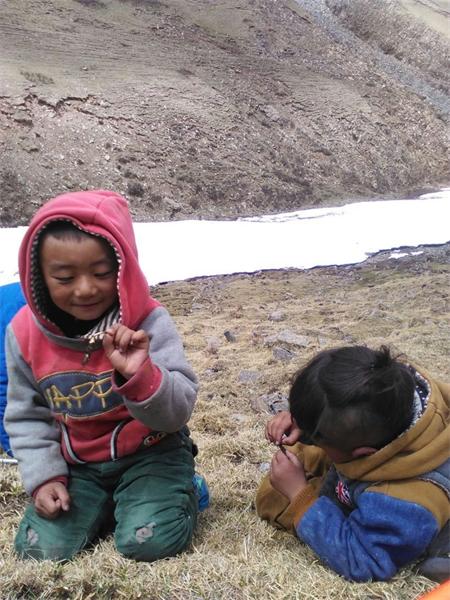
x=11, y=299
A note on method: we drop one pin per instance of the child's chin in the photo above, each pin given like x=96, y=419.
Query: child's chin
x=88, y=314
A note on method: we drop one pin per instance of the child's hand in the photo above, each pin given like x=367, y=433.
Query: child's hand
x=282, y=429
x=126, y=349
x=287, y=474
x=51, y=499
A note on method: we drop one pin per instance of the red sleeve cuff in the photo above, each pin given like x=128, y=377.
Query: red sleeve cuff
x=60, y=478
x=142, y=385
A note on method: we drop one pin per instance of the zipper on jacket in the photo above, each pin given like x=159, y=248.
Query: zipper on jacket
x=114, y=436
x=68, y=445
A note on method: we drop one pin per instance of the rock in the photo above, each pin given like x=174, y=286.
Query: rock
x=249, y=376
x=270, y=112
x=239, y=418
x=22, y=117
x=277, y=315
x=283, y=354
x=30, y=147
x=288, y=337
x=212, y=345
x=197, y=306
x=135, y=188
x=172, y=204
x=229, y=336
x=270, y=403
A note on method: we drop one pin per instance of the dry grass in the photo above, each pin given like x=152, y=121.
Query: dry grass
x=236, y=556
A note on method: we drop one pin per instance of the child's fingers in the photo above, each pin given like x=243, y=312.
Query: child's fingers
x=271, y=428
x=47, y=506
x=139, y=338
x=123, y=339
x=282, y=448
x=64, y=498
x=294, y=459
x=108, y=341
x=278, y=427
x=111, y=331
x=292, y=436
x=120, y=337
x=279, y=458
x=279, y=434
x=275, y=430
x=276, y=435
x=284, y=457
x=269, y=431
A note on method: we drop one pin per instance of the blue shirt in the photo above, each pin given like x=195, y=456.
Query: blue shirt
x=11, y=300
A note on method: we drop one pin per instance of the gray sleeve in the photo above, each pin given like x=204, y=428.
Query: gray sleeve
x=170, y=407
x=33, y=433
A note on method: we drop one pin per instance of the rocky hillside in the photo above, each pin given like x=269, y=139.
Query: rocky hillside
x=219, y=109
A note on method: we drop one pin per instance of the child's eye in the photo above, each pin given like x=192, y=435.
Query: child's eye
x=105, y=274
x=63, y=279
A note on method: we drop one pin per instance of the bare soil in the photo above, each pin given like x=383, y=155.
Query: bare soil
x=220, y=109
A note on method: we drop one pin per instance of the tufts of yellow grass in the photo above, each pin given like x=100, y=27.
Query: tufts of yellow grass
x=236, y=556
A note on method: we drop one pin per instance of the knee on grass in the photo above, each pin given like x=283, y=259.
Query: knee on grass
x=150, y=541
x=31, y=546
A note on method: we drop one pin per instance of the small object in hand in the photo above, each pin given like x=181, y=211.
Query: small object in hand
x=97, y=336
x=282, y=448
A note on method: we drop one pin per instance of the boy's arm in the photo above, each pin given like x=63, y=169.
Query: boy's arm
x=32, y=431
x=381, y=535
x=273, y=506
x=163, y=391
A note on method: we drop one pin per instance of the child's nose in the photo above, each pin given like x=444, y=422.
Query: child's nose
x=86, y=286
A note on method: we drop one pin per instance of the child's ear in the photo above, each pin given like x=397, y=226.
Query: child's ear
x=363, y=451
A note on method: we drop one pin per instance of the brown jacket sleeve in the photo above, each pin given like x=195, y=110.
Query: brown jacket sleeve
x=274, y=507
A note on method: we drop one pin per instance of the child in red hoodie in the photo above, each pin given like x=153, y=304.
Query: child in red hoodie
x=99, y=390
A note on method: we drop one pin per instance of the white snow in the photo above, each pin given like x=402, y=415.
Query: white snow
x=176, y=250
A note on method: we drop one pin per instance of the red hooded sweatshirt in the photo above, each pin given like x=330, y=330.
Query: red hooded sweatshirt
x=68, y=381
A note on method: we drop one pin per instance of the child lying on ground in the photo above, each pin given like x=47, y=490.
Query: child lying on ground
x=366, y=484
x=99, y=390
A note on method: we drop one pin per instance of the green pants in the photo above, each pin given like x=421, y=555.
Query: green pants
x=149, y=495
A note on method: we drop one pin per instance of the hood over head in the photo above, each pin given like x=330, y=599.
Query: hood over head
x=102, y=213
x=423, y=447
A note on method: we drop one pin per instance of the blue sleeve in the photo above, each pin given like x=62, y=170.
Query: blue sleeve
x=381, y=535
x=11, y=300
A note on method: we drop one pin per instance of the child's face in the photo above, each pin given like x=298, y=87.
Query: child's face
x=340, y=444
x=336, y=455
x=80, y=275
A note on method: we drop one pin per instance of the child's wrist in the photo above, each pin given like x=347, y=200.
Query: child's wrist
x=297, y=490
x=301, y=503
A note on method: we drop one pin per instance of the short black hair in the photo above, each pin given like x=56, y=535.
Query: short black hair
x=353, y=396
x=67, y=230
x=63, y=230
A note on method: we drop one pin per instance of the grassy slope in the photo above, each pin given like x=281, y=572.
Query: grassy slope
x=236, y=556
